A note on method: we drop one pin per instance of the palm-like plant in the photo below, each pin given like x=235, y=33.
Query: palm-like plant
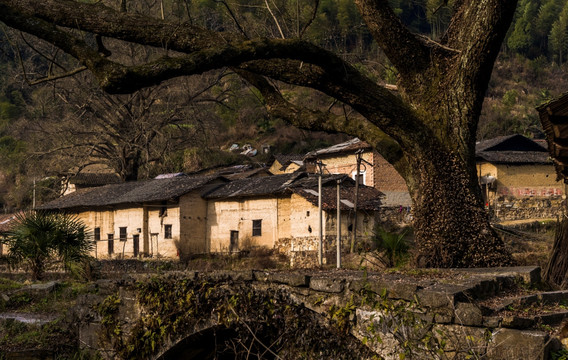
x=38, y=237
x=392, y=245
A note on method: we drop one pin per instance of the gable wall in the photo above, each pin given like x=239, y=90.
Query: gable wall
x=275, y=168
x=347, y=164
x=386, y=178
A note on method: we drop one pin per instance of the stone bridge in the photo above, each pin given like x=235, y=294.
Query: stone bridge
x=446, y=314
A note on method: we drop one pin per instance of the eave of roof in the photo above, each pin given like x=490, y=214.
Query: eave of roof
x=348, y=146
x=554, y=118
x=153, y=190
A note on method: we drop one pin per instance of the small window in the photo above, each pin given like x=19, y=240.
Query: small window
x=362, y=177
x=122, y=232
x=256, y=227
x=307, y=213
x=97, y=234
x=167, y=231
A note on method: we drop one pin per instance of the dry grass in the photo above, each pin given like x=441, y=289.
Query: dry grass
x=530, y=243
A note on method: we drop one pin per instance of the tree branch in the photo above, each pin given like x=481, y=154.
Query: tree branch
x=404, y=49
x=312, y=120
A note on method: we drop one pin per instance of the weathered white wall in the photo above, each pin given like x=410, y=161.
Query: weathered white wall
x=111, y=220
x=225, y=216
x=193, y=224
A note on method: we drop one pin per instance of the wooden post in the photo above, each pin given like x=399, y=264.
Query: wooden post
x=320, y=245
x=354, y=235
x=338, y=240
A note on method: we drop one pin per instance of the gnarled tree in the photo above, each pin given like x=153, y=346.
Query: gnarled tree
x=426, y=130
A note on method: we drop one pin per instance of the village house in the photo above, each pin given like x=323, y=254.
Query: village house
x=287, y=164
x=282, y=212
x=88, y=177
x=184, y=215
x=517, y=178
x=375, y=171
x=144, y=218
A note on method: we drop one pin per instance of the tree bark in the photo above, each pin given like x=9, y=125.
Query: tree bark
x=450, y=223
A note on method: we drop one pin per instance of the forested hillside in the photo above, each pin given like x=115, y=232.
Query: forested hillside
x=53, y=125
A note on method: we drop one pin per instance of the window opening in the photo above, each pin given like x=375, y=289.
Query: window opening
x=256, y=227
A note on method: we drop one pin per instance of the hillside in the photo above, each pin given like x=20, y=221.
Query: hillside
x=57, y=128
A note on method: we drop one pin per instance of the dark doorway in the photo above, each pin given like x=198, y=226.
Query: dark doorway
x=234, y=245
x=110, y=244
x=136, y=244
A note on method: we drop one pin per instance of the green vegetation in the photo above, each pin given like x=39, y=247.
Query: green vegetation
x=263, y=320
x=39, y=238
x=393, y=246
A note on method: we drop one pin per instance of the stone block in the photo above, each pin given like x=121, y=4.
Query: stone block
x=376, y=286
x=484, y=289
x=440, y=295
x=291, y=279
x=468, y=314
x=510, y=344
x=261, y=276
x=492, y=321
x=327, y=284
x=462, y=340
x=517, y=322
x=44, y=288
x=525, y=300
x=243, y=275
x=402, y=290
x=551, y=297
x=444, y=316
x=551, y=319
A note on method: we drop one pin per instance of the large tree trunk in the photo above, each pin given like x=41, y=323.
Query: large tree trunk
x=451, y=226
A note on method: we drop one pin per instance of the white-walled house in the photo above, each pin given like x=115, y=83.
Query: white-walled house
x=184, y=215
x=143, y=218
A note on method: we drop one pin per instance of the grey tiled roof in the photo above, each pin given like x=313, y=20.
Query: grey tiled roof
x=512, y=149
x=130, y=192
x=348, y=146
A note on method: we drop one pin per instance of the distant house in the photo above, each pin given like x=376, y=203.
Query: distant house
x=6, y=222
x=286, y=164
x=154, y=217
x=375, y=171
x=185, y=215
x=91, y=176
x=517, y=178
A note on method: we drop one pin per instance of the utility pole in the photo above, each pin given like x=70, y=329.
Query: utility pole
x=359, y=155
x=338, y=240
x=320, y=245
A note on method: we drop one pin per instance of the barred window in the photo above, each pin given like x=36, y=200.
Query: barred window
x=122, y=233
x=167, y=231
x=256, y=227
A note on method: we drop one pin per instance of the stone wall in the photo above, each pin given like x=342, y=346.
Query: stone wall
x=514, y=208
x=431, y=315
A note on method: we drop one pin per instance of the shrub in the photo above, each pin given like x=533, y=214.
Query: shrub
x=392, y=245
x=38, y=237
